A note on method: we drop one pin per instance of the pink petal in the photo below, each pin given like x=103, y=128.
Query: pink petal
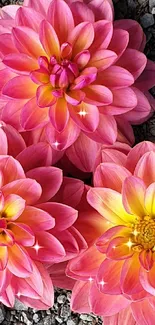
x=15, y=141
x=81, y=12
x=102, y=59
x=137, y=152
x=82, y=58
x=119, y=41
x=22, y=233
x=22, y=63
x=98, y=95
x=7, y=164
x=5, y=75
x=58, y=276
x=106, y=305
x=5, y=279
x=80, y=153
x=102, y=9
x=87, y=122
x=6, y=44
x=27, y=188
x=133, y=196
x=147, y=79
x=109, y=272
x=124, y=100
x=14, y=205
x=8, y=297
x=56, y=11
x=143, y=312
x=145, y=168
x=110, y=175
x=124, y=131
x=50, y=179
x=3, y=258
x=122, y=318
x=20, y=88
x=11, y=113
x=64, y=215
x=49, y=39
x=19, y=262
x=64, y=139
x=81, y=37
x=27, y=41
x=103, y=28
x=115, y=77
x=75, y=97
x=147, y=280
x=106, y=131
x=3, y=143
x=31, y=215
x=38, y=6
x=29, y=17
x=59, y=114
x=44, y=96
x=136, y=66
x=130, y=283
x=79, y=298
x=32, y=116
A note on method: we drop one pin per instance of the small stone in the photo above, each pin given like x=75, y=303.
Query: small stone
x=90, y=318
x=147, y=20
x=47, y=320
x=26, y=320
x=61, y=299
x=1, y=315
x=84, y=317
x=151, y=5
x=19, y=305
x=36, y=318
x=59, y=320
x=71, y=322
x=69, y=296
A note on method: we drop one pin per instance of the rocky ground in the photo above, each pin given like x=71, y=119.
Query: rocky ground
x=144, y=12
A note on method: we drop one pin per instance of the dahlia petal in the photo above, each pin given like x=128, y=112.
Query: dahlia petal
x=22, y=63
x=147, y=79
x=27, y=41
x=20, y=88
x=130, y=282
x=28, y=189
x=115, y=77
x=31, y=215
x=50, y=249
x=122, y=318
x=124, y=100
x=49, y=39
x=23, y=234
x=146, y=259
x=79, y=268
x=124, y=131
x=87, y=122
x=44, y=96
x=136, y=34
x=110, y=175
x=5, y=279
x=3, y=143
x=81, y=37
x=5, y=76
x=137, y=152
x=102, y=59
x=15, y=141
x=111, y=155
x=7, y=164
x=147, y=279
x=9, y=12
x=80, y=153
x=141, y=111
x=108, y=277
x=75, y=97
x=39, y=5
x=13, y=207
x=103, y=28
x=32, y=116
x=8, y=298
x=64, y=139
x=82, y=58
x=102, y=9
x=79, y=299
x=145, y=168
x=143, y=312
x=81, y=12
x=3, y=257
x=11, y=113
x=58, y=276
x=104, y=304
x=118, y=249
x=119, y=41
x=98, y=95
x=28, y=17
x=64, y=215
x=150, y=199
x=39, y=154
x=59, y=114
x=19, y=263
x=136, y=66
x=106, y=132
x=133, y=196
x=6, y=44
x=56, y=11
x=109, y=204
x=50, y=179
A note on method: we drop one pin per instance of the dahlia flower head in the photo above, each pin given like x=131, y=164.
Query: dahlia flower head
x=35, y=230
x=72, y=75
x=116, y=274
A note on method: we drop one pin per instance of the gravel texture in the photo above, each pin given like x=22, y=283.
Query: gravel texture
x=144, y=12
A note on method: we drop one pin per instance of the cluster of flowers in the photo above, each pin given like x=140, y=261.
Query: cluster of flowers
x=72, y=81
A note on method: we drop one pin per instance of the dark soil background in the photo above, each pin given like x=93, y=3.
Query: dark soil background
x=144, y=12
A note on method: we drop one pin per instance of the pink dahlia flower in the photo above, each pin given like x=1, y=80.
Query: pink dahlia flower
x=118, y=272
x=74, y=74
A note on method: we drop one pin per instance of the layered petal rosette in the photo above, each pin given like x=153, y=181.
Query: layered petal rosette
x=72, y=75
x=118, y=272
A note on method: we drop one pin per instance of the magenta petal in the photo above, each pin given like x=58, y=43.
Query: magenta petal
x=102, y=9
x=86, y=116
x=19, y=262
x=124, y=100
x=6, y=44
x=98, y=95
x=59, y=114
x=32, y=116
x=136, y=66
x=147, y=79
x=8, y=297
x=21, y=63
x=119, y=41
x=3, y=143
x=28, y=17
x=103, y=28
x=143, y=312
x=11, y=113
x=20, y=88
x=81, y=12
x=79, y=298
x=115, y=77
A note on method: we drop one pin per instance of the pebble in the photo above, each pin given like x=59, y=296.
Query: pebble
x=1, y=315
x=26, y=320
x=71, y=322
x=36, y=318
x=147, y=20
x=59, y=320
x=61, y=299
x=84, y=317
x=19, y=305
x=152, y=6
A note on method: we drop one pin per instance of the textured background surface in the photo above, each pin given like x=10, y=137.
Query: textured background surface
x=144, y=12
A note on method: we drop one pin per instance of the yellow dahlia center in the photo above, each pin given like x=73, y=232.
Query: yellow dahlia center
x=144, y=234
